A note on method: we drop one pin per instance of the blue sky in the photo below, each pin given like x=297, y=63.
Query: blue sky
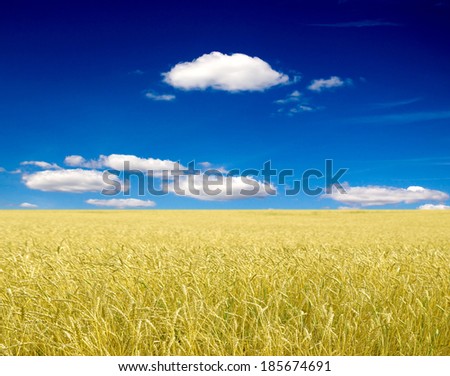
x=234, y=84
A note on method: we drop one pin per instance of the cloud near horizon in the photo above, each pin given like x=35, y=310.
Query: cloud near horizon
x=373, y=195
x=434, y=207
x=87, y=177
x=232, y=73
x=28, y=205
x=122, y=203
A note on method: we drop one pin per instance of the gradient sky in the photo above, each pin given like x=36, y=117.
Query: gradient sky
x=85, y=78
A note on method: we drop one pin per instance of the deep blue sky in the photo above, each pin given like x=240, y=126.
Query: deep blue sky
x=73, y=78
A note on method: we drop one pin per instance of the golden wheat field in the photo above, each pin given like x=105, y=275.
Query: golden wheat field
x=224, y=283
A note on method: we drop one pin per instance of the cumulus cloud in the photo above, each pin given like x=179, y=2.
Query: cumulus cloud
x=160, y=97
x=220, y=188
x=120, y=161
x=379, y=195
x=74, y=180
x=322, y=84
x=41, y=164
x=233, y=73
x=27, y=205
x=79, y=161
x=122, y=203
x=117, y=162
x=434, y=207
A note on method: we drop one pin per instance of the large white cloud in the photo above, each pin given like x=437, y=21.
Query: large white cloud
x=122, y=203
x=379, y=195
x=434, y=207
x=236, y=72
x=329, y=83
x=220, y=188
x=120, y=161
x=73, y=180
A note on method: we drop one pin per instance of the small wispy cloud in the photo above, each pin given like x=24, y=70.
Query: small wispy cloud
x=405, y=102
x=41, y=164
x=137, y=72
x=295, y=103
x=362, y=23
x=302, y=108
x=333, y=82
x=122, y=203
x=28, y=205
x=403, y=118
x=292, y=97
x=2, y=169
x=159, y=97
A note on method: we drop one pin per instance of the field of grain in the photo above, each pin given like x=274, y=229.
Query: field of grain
x=224, y=283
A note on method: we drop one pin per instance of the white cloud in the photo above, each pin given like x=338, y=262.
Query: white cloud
x=74, y=180
x=79, y=161
x=293, y=97
x=379, y=195
x=434, y=207
x=302, y=108
x=117, y=162
x=41, y=164
x=205, y=164
x=329, y=83
x=122, y=203
x=222, y=188
x=160, y=97
x=2, y=169
x=27, y=205
x=236, y=72
x=295, y=103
